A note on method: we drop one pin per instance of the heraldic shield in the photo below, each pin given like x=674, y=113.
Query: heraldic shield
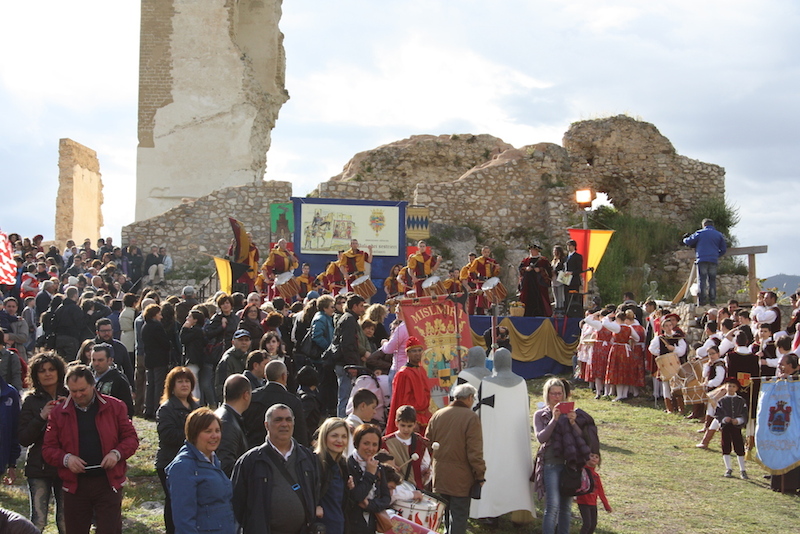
x=777, y=433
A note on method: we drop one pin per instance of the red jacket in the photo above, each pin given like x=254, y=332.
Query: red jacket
x=115, y=429
x=591, y=498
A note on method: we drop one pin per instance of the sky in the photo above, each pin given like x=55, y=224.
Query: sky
x=718, y=78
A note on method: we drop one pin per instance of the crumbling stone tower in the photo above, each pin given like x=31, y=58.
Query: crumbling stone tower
x=211, y=83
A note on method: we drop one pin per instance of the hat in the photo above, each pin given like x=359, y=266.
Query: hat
x=413, y=343
x=188, y=291
x=40, y=254
x=674, y=316
x=535, y=245
x=73, y=281
x=732, y=380
x=241, y=333
x=38, y=236
x=312, y=295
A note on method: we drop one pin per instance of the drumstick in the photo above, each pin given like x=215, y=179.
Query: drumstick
x=414, y=458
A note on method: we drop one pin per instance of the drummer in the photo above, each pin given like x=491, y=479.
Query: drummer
x=392, y=286
x=480, y=270
x=305, y=281
x=421, y=265
x=468, y=284
x=405, y=282
x=453, y=283
x=353, y=262
x=333, y=277
x=280, y=260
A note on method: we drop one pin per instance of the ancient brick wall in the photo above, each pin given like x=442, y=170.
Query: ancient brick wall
x=80, y=193
x=201, y=227
x=210, y=87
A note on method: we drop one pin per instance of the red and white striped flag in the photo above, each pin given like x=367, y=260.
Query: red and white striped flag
x=8, y=267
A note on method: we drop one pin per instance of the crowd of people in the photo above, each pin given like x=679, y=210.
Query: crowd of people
x=622, y=346
x=259, y=400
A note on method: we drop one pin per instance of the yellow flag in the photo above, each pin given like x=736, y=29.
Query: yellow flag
x=224, y=274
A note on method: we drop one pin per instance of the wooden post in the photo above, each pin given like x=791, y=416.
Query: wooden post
x=751, y=276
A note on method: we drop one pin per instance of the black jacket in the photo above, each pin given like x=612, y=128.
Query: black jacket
x=171, y=419
x=252, y=495
x=115, y=384
x=70, y=320
x=156, y=345
x=345, y=337
x=234, y=442
x=31, y=433
x=194, y=344
x=264, y=397
x=364, y=481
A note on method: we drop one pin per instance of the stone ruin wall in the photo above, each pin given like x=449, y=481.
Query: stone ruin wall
x=199, y=228
x=211, y=85
x=80, y=193
x=509, y=196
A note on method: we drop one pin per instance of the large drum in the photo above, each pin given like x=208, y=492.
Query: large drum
x=494, y=290
x=364, y=287
x=694, y=392
x=715, y=395
x=433, y=285
x=428, y=512
x=287, y=286
x=668, y=365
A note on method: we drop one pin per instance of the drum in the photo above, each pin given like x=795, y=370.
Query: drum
x=694, y=393
x=715, y=395
x=428, y=512
x=668, y=365
x=433, y=285
x=494, y=290
x=364, y=287
x=287, y=286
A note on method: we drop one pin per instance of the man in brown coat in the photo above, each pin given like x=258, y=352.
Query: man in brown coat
x=455, y=432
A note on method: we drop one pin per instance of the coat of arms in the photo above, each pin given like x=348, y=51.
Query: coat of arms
x=779, y=416
x=377, y=221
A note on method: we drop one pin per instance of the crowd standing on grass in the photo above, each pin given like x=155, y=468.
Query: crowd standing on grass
x=260, y=405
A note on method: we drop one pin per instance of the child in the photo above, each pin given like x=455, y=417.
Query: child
x=587, y=504
x=400, y=492
x=403, y=443
x=732, y=416
x=364, y=404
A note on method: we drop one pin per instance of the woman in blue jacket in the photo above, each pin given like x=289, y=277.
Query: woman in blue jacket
x=201, y=493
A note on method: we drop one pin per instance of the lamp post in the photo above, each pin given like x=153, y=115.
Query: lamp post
x=584, y=199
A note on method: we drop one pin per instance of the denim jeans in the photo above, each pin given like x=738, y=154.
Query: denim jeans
x=206, y=381
x=40, y=490
x=345, y=387
x=558, y=509
x=707, y=275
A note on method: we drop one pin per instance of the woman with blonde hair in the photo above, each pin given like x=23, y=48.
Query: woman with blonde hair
x=377, y=313
x=331, y=449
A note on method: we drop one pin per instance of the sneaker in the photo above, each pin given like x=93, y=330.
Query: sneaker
x=744, y=475
x=728, y=474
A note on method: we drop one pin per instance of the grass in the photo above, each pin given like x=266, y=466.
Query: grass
x=656, y=480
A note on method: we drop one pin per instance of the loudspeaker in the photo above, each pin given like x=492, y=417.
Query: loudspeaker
x=575, y=305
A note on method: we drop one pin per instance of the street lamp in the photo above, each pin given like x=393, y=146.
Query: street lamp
x=584, y=199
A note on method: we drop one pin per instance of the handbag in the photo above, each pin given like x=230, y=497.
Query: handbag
x=309, y=349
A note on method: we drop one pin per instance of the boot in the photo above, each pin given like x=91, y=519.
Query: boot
x=679, y=406
x=697, y=412
x=669, y=408
x=705, y=426
x=709, y=435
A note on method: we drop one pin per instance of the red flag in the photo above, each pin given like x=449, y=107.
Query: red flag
x=242, y=249
x=8, y=267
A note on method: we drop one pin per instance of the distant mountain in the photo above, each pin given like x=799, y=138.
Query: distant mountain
x=783, y=282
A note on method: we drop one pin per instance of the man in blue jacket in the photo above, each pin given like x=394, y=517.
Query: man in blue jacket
x=709, y=245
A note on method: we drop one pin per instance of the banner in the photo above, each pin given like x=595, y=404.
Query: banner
x=8, y=267
x=591, y=245
x=281, y=216
x=327, y=228
x=777, y=432
x=224, y=274
x=443, y=326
